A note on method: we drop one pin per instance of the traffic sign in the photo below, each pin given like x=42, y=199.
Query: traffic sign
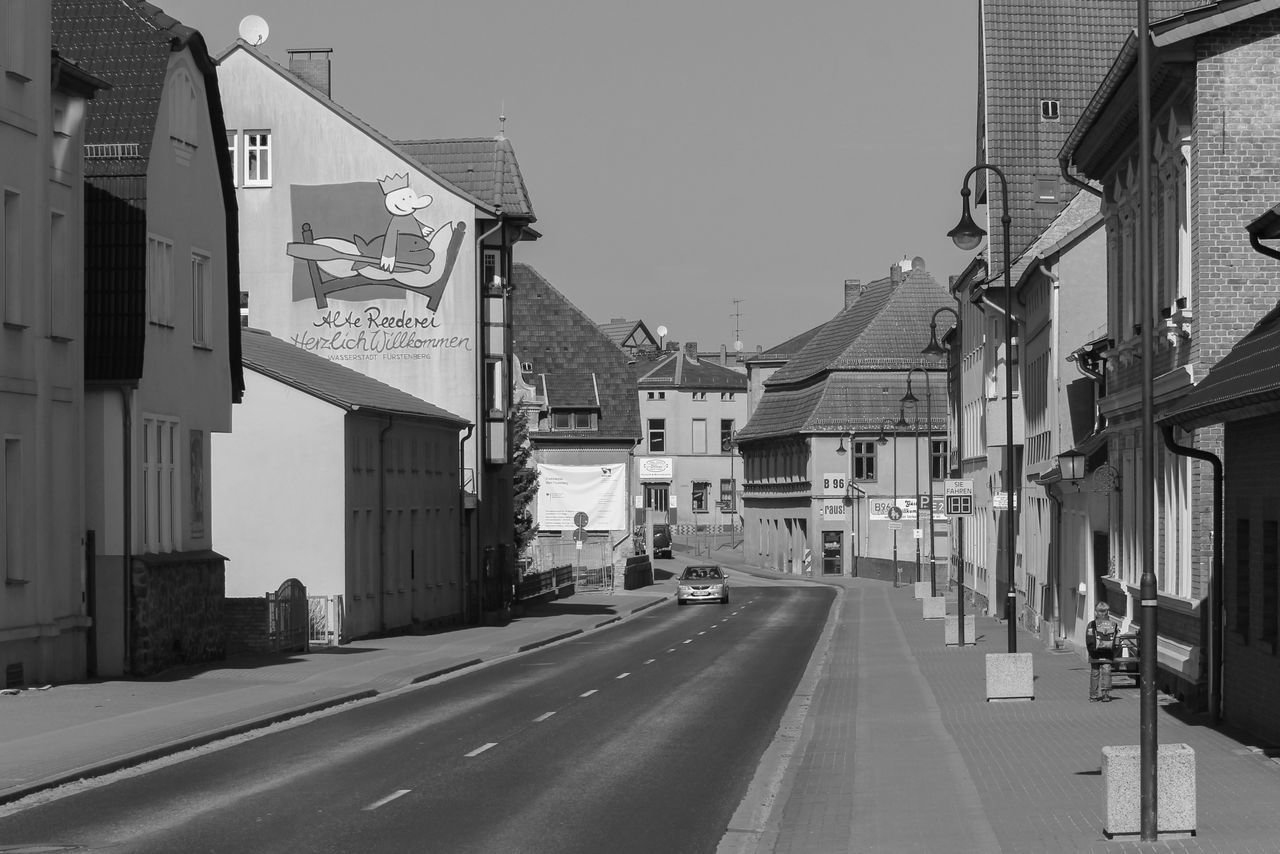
x=581, y=519
x=579, y=535
x=958, y=487
x=895, y=514
x=895, y=526
x=959, y=505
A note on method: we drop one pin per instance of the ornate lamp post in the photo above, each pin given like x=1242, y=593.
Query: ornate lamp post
x=967, y=235
x=933, y=348
x=884, y=440
x=928, y=427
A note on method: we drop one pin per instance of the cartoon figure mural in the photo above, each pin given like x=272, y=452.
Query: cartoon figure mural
x=410, y=255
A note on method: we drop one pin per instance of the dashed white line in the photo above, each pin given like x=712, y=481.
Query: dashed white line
x=540, y=718
x=589, y=693
x=388, y=799
x=481, y=749
x=690, y=640
x=651, y=661
x=700, y=634
x=673, y=649
x=622, y=676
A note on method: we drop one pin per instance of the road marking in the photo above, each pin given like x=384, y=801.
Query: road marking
x=540, y=718
x=651, y=661
x=715, y=626
x=388, y=799
x=700, y=634
x=690, y=640
x=622, y=676
x=480, y=750
x=589, y=693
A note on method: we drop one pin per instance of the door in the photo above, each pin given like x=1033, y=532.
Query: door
x=832, y=552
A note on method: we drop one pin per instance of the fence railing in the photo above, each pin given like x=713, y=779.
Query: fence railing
x=537, y=583
x=288, y=616
x=325, y=620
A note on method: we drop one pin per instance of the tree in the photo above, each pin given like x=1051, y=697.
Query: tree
x=524, y=478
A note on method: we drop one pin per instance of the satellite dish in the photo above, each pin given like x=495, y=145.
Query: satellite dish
x=662, y=332
x=737, y=345
x=254, y=29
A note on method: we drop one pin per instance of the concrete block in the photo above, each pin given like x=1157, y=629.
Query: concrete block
x=935, y=607
x=922, y=589
x=1175, y=790
x=1010, y=676
x=951, y=631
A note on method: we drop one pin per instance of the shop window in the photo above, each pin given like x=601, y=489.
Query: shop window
x=701, y=491
x=657, y=435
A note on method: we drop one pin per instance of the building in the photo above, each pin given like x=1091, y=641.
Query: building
x=805, y=504
x=393, y=258
x=1217, y=137
x=369, y=475
x=575, y=388
x=632, y=336
x=162, y=331
x=687, y=468
x=44, y=618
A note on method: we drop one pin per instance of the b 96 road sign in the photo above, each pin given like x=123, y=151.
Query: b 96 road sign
x=959, y=505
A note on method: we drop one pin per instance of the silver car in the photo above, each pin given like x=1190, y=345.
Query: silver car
x=702, y=583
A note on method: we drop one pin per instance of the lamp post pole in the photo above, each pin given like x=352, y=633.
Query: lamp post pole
x=957, y=523
x=928, y=426
x=967, y=235
x=849, y=500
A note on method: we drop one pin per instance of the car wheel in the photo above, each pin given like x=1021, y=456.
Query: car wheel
x=681, y=602
x=724, y=600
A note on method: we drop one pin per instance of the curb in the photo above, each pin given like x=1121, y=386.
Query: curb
x=436, y=674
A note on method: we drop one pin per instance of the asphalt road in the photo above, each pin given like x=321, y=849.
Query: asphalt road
x=639, y=738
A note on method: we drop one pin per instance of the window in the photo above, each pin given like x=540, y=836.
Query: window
x=573, y=419
x=864, y=461
x=496, y=389
x=257, y=158
x=656, y=497
x=726, y=435
x=728, y=495
x=1270, y=566
x=939, y=451
x=12, y=261
x=183, y=121
x=657, y=395
x=726, y=395
x=701, y=489
x=13, y=39
x=244, y=308
x=657, y=435
x=1242, y=579
x=233, y=148
x=700, y=396
x=159, y=280
x=1049, y=110
x=1046, y=189
x=201, y=301
x=492, y=267
x=11, y=503
x=161, y=499
x=698, y=437
x=61, y=322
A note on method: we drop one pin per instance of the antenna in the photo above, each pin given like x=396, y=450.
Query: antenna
x=502, y=120
x=254, y=29
x=737, y=327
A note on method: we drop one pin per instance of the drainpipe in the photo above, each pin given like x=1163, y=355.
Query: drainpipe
x=480, y=413
x=1216, y=604
x=382, y=526
x=126, y=422
x=463, y=529
x=1072, y=179
x=1259, y=247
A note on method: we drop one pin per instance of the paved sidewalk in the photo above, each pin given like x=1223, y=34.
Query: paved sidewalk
x=900, y=751
x=68, y=732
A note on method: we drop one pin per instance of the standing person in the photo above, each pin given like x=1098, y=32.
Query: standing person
x=1100, y=640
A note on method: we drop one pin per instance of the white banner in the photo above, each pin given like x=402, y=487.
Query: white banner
x=599, y=491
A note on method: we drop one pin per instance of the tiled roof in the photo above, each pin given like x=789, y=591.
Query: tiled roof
x=620, y=332
x=1052, y=49
x=848, y=401
x=128, y=43
x=677, y=370
x=332, y=382
x=564, y=347
x=789, y=348
x=372, y=132
x=1246, y=383
x=486, y=168
x=1080, y=215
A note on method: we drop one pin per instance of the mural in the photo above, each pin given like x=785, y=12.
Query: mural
x=393, y=247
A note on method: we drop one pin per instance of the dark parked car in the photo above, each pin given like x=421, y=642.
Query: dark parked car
x=702, y=583
x=662, y=540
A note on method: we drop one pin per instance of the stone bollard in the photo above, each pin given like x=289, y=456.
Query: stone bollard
x=1010, y=676
x=935, y=607
x=922, y=589
x=1175, y=790
x=951, y=632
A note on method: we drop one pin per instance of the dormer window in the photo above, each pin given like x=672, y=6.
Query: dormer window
x=1049, y=111
x=700, y=396
x=657, y=395
x=573, y=419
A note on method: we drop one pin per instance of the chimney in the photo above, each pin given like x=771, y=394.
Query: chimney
x=896, y=276
x=312, y=66
x=852, y=289
x=691, y=350
x=724, y=355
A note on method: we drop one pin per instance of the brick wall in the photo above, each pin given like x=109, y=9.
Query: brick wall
x=176, y=610
x=1251, y=665
x=245, y=623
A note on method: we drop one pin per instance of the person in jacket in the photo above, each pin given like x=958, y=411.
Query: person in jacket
x=1100, y=639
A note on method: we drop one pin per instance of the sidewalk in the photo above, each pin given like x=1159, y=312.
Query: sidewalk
x=68, y=732
x=899, y=750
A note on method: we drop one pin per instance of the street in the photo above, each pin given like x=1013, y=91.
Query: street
x=631, y=739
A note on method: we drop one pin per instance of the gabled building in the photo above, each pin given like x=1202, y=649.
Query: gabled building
x=691, y=407
x=162, y=330
x=392, y=258
x=1213, y=77
x=44, y=618
x=369, y=475
x=819, y=483
x=576, y=390
x=633, y=336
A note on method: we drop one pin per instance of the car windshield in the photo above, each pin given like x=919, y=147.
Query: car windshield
x=703, y=572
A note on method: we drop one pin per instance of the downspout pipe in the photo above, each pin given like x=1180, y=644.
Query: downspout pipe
x=382, y=525
x=1072, y=179
x=1216, y=621
x=1260, y=247
x=126, y=552
x=462, y=528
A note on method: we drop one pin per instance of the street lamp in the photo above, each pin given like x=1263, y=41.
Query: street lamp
x=849, y=501
x=933, y=348
x=884, y=440
x=928, y=426
x=967, y=235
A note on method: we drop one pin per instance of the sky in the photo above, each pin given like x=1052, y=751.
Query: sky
x=716, y=167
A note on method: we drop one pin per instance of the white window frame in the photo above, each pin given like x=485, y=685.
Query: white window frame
x=257, y=173
x=233, y=148
x=12, y=303
x=61, y=322
x=698, y=436
x=162, y=493
x=159, y=280
x=201, y=299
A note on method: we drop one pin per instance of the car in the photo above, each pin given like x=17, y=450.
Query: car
x=662, y=540
x=702, y=583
